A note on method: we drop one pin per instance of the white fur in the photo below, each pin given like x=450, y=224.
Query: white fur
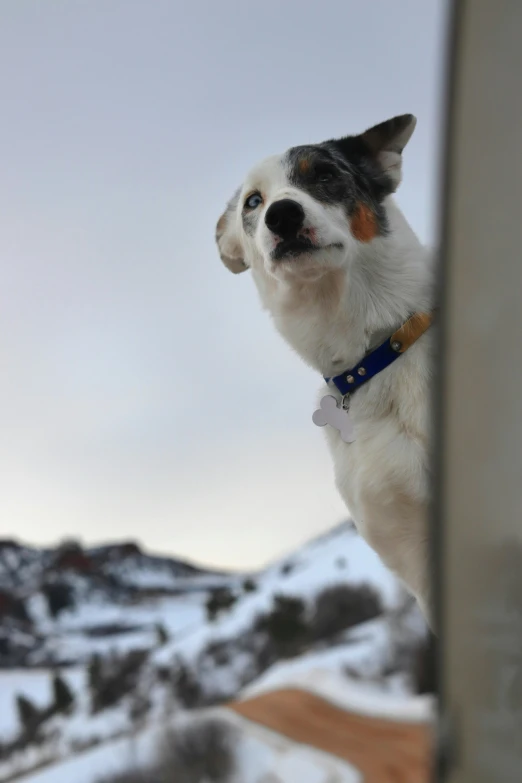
x=374, y=287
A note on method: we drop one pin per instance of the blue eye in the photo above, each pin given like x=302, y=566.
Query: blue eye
x=253, y=201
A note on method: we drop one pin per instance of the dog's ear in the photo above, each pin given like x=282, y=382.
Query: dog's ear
x=227, y=239
x=386, y=141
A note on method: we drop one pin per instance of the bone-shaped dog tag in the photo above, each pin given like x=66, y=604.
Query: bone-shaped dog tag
x=338, y=418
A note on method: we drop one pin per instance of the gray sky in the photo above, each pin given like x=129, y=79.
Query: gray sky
x=144, y=393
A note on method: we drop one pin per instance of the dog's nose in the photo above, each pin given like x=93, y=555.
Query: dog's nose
x=285, y=218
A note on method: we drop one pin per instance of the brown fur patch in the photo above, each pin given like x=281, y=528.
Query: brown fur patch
x=304, y=165
x=363, y=224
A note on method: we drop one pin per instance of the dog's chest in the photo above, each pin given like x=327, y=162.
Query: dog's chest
x=390, y=452
x=320, y=343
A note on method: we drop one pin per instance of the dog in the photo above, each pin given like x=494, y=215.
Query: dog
x=343, y=276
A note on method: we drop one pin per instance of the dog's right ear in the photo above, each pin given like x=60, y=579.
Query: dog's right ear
x=386, y=142
x=228, y=241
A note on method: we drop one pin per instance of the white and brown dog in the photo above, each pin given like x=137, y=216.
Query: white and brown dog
x=343, y=274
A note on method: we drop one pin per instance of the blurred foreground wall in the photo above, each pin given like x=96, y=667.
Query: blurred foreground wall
x=478, y=514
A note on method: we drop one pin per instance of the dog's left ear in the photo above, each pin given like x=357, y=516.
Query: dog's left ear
x=227, y=240
x=386, y=141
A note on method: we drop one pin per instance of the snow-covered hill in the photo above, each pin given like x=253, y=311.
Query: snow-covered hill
x=121, y=565
x=60, y=605
x=197, y=639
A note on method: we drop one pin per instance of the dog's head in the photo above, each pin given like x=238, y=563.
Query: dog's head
x=308, y=210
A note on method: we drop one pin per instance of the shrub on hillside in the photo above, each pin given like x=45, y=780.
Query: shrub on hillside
x=186, y=686
x=220, y=600
x=111, y=679
x=63, y=698
x=139, y=707
x=59, y=596
x=31, y=719
x=285, y=625
x=280, y=632
x=203, y=750
x=28, y=713
x=70, y=545
x=342, y=606
x=162, y=634
x=11, y=606
x=263, y=652
x=221, y=651
x=249, y=586
x=244, y=657
x=94, y=673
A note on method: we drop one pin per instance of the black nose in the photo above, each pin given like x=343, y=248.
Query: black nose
x=285, y=218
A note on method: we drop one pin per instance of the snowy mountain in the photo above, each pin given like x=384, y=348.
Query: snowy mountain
x=57, y=603
x=120, y=566
x=176, y=638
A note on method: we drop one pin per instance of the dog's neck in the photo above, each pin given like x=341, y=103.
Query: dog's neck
x=333, y=321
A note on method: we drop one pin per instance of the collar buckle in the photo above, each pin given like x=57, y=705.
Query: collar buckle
x=381, y=357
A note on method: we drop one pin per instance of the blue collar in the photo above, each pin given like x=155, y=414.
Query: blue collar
x=380, y=358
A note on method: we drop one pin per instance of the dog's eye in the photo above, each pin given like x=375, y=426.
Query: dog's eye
x=325, y=176
x=253, y=201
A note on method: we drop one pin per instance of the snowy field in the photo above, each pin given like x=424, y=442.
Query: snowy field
x=349, y=671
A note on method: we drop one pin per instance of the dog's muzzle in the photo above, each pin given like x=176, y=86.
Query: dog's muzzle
x=285, y=218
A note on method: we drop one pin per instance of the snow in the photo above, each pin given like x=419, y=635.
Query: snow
x=263, y=756
x=339, y=557
x=86, y=767
x=258, y=760
x=108, y=723
x=260, y=754
x=150, y=577
x=313, y=568
x=176, y=613
x=318, y=562
x=301, y=765
x=80, y=647
x=364, y=650
x=110, y=758
x=35, y=685
x=70, y=637
x=37, y=607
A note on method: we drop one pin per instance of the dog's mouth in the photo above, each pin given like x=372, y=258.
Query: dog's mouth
x=291, y=248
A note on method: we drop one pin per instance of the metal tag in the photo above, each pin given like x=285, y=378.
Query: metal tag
x=337, y=417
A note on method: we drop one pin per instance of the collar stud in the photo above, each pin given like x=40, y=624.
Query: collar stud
x=381, y=357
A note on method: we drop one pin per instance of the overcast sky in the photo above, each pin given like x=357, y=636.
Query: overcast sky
x=144, y=393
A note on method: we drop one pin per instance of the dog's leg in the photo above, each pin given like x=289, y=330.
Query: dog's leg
x=396, y=527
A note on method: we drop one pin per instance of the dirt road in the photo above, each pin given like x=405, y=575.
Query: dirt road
x=384, y=751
